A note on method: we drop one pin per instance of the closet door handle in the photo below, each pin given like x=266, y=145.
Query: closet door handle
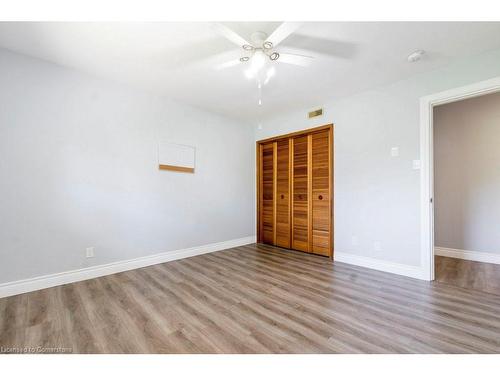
x=282, y=196
x=320, y=197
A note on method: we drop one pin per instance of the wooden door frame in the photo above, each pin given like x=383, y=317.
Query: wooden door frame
x=330, y=128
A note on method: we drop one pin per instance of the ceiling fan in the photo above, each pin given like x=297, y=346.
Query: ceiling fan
x=262, y=48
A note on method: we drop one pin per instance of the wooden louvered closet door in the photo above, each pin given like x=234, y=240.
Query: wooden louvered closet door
x=320, y=192
x=300, y=188
x=295, y=189
x=267, y=193
x=283, y=199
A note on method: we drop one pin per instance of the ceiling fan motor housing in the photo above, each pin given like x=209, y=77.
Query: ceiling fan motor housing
x=258, y=38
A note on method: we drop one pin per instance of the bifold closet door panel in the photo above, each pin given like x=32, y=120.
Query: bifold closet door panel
x=295, y=191
x=267, y=212
x=321, y=191
x=300, y=204
x=283, y=228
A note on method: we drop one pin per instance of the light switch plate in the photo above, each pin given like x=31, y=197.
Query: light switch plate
x=416, y=164
x=394, y=151
x=89, y=252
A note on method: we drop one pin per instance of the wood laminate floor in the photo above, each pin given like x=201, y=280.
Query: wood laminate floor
x=253, y=299
x=468, y=274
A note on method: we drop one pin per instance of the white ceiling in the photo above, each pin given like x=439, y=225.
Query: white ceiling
x=178, y=59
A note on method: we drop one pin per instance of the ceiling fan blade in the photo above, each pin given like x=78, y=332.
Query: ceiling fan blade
x=282, y=32
x=321, y=46
x=291, y=58
x=229, y=34
x=228, y=64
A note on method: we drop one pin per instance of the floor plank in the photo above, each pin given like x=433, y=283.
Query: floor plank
x=468, y=274
x=254, y=299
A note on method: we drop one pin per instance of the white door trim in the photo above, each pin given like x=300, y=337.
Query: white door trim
x=427, y=103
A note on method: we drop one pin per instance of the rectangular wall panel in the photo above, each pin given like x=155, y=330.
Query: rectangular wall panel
x=176, y=157
x=283, y=227
x=300, y=218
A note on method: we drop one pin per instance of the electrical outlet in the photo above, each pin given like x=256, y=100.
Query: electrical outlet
x=377, y=246
x=416, y=164
x=89, y=252
x=395, y=151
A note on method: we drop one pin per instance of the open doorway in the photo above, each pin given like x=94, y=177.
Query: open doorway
x=466, y=157
x=427, y=105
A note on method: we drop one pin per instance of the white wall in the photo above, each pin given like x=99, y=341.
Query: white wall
x=377, y=197
x=467, y=174
x=78, y=168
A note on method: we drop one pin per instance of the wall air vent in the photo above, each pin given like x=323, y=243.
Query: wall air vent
x=316, y=113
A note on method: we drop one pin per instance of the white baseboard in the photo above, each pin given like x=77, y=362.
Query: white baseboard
x=380, y=265
x=47, y=281
x=477, y=256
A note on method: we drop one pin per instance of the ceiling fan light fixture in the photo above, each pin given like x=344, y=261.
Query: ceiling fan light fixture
x=247, y=47
x=244, y=59
x=258, y=60
x=250, y=73
x=267, y=45
x=274, y=56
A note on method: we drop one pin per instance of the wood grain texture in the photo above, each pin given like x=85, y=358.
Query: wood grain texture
x=258, y=189
x=331, y=163
x=468, y=274
x=300, y=199
x=320, y=193
x=295, y=134
x=275, y=186
x=309, y=193
x=303, y=191
x=254, y=299
x=175, y=168
x=267, y=213
x=283, y=165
